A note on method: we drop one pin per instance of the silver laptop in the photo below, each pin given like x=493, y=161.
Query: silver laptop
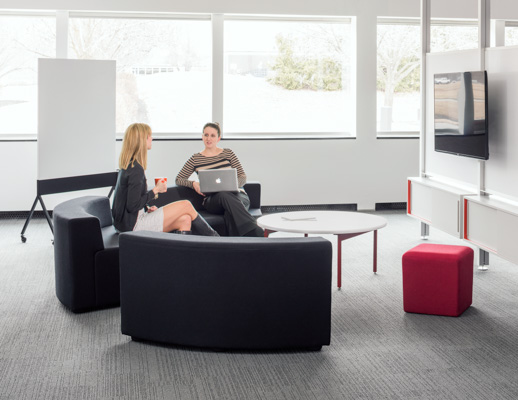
x=218, y=180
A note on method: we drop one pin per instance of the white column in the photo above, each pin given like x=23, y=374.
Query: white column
x=366, y=61
x=497, y=32
x=61, y=34
x=425, y=49
x=484, y=25
x=484, y=18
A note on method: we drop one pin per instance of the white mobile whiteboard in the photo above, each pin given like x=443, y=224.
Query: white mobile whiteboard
x=76, y=118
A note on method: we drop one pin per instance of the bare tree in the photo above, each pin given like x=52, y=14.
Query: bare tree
x=453, y=37
x=138, y=46
x=398, y=56
x=22, y=41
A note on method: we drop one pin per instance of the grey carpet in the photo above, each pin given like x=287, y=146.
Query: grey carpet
x=377, y=351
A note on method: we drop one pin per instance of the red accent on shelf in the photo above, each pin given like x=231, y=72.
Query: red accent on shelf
x=408, y=202
x=465, y=234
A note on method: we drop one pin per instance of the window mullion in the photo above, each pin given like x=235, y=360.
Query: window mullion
x=62, y=34
x=217, y=68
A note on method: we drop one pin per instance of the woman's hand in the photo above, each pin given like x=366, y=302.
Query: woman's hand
x=196, y=187
x=160, y=187
x=151, y=209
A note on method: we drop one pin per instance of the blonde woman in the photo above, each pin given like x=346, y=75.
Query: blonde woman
x=130, y=210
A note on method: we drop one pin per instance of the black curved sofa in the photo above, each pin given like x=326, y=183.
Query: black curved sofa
x=86, y=245
x=86, y=254
x=175, y=193
x=235, y=293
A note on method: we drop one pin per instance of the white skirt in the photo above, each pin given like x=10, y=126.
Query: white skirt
x=150, y=221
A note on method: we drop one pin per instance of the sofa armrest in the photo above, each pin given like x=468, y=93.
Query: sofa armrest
x=98, y=206
x=253, y=189
x=255, y=293
x=76, y=242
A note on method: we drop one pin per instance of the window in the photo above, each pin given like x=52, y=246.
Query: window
x=448, y=35
x=23, y=39
x=282, y=77
x=285, y=77
x=164, y=73
x=398, y=77
x=511, y=33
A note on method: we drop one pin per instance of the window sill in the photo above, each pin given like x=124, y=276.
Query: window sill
x=18, y=137
x=398, y=135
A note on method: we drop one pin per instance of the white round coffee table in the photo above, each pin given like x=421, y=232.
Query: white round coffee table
x=343, y=224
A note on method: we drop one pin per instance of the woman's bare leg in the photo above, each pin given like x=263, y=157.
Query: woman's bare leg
x=178, y=216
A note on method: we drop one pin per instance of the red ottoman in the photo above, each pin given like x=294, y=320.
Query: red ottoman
x=438, y=279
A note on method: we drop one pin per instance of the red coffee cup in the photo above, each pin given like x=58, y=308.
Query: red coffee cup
x=163, y=179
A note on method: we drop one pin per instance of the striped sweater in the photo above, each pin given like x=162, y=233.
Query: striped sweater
x=197, y=162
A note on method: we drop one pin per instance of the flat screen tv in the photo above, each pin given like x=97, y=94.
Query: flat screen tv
x=460, y=114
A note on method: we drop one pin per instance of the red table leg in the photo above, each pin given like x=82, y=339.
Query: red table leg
x=339, y=262
x=267, y=232
x=375, y=261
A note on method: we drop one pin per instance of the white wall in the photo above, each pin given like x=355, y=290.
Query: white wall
x=364, y=170
x=344, y=171
x=292, y=7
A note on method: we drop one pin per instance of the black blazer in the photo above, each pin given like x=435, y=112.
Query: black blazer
x=131, y=195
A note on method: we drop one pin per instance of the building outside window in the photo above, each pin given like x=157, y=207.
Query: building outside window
x=164, y=68
x=23, y=39
x=287, y=77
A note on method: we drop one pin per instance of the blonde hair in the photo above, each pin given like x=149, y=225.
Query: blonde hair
x=134, y=146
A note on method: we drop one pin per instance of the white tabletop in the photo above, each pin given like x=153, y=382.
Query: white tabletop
x=322, y=222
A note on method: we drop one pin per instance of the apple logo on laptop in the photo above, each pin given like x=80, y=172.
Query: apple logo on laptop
x=218, y=180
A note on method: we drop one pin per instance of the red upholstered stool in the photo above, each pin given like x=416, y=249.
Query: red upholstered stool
x=437, y=279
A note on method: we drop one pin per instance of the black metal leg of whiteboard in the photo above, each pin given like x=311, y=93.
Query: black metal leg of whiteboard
x=24, y=239
x=49, y=220
x=47, y=216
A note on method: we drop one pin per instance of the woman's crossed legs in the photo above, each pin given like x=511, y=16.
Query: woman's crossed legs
x=179, y=216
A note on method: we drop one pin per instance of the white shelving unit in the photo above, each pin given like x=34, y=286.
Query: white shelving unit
x=492, y=225
x=437, y=204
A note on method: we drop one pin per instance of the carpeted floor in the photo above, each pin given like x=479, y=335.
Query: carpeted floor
x=377, y=351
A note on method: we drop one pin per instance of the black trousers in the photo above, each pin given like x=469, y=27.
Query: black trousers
x=234, y=208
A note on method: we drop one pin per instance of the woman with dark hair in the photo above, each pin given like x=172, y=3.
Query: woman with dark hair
x=233, y=206
x=131, y=211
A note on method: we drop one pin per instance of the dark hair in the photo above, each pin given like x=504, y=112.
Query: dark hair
x=213, y=125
